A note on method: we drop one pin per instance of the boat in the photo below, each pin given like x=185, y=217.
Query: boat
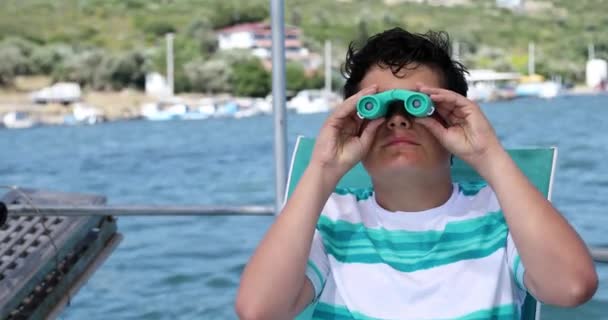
x=180, y=111
x=312, y=101
x=488, y=85
x=536, y=86
x=18, y=120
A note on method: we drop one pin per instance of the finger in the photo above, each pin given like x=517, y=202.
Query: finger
x=434, y=127
x=367, y=136
x=457, y=104
x=447, y=97
x=442, y=118
x=350, y=105
x=444, y=103
x=444, y=115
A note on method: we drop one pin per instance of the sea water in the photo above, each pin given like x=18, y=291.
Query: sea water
x=189, y=267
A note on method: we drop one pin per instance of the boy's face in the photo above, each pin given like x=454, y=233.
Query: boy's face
x=400, y=144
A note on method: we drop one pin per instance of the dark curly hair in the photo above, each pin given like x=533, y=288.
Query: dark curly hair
x=398, y=49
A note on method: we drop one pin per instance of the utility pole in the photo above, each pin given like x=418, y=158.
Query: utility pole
x=170, y=62
x=278, y=100
x=531, y=58
x=591, y=52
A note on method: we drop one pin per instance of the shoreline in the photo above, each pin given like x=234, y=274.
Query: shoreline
x=125, y=105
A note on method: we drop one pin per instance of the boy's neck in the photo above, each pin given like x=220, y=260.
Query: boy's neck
x=413, y=194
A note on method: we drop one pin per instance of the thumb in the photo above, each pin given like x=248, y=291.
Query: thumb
x=367, y=136
x=434, y=127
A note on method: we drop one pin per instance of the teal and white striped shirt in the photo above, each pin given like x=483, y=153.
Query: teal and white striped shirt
x=456, y=261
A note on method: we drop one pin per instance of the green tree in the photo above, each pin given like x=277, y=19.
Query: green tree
x=80, y=67
x=295, y=77
x=233, y=12
x=129, y=70
x=250, y=79
x=202, y=32
x=45, y=59
x=158, y=28
x=26, y=47
x=212, y=76
x=11, y=61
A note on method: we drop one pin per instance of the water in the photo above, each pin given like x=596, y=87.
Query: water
x=189, y=267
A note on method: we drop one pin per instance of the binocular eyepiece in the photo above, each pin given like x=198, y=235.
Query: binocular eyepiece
x=376, y=105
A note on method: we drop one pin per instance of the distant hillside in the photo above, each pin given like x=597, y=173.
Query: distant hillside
x=489, y=36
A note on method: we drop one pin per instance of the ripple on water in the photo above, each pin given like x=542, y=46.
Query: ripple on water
x=220, y=282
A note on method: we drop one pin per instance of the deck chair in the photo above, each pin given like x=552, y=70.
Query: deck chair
x=538, y=164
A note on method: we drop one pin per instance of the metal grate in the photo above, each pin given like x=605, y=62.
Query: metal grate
x=42, y=258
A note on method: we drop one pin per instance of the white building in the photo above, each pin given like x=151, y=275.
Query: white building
x=597, y=73
x=156, y=85
x=258, y=38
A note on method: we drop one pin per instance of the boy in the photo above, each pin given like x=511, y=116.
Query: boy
x=418, y=246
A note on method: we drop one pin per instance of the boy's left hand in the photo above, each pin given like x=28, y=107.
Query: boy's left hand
x=469, y=134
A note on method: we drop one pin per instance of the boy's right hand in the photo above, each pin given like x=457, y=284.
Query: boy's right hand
x=344, y=138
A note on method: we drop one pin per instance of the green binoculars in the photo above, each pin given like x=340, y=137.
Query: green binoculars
x=376, y=105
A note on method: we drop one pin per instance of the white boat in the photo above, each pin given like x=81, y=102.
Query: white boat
x=180, y=111
x=312, y=101
x=545, y=89
x=487, y=85
x=152, y=112
x=86, y=114
x=18, y=120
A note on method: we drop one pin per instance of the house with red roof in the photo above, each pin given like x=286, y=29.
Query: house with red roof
x=257, y=37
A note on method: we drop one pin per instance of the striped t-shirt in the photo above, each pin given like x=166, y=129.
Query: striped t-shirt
x=456, y=261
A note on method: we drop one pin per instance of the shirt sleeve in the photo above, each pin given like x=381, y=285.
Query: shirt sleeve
x=317, y=267
x=517, y=268
x=515, y=265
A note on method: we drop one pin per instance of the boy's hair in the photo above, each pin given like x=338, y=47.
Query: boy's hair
x=398, y=49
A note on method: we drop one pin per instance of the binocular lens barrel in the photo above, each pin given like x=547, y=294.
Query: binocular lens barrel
x=376, y=106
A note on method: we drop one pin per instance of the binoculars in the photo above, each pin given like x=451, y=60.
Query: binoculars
x=376, y=105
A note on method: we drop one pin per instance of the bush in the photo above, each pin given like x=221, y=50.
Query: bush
x=118, y=72
x=44, y=60
x=250, y=79
x=130, y=70
x=80, y=67
x=26, y=47
x=15, y=57
x=202, y=32
x=229, y=13
x=294, y=76
x=212, y=76
x=159, y=28
x=99, y=70
x=12, y=63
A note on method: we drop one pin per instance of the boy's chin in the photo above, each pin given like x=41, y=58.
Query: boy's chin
x=399, y=167
x=406, y=165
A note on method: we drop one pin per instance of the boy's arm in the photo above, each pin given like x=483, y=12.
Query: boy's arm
x=558, y=267
x=274, y=284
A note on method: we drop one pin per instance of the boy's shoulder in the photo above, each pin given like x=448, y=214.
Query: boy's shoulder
x=478, y=195
x=348, y=203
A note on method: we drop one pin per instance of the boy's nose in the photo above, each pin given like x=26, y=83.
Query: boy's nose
x=398, y=120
